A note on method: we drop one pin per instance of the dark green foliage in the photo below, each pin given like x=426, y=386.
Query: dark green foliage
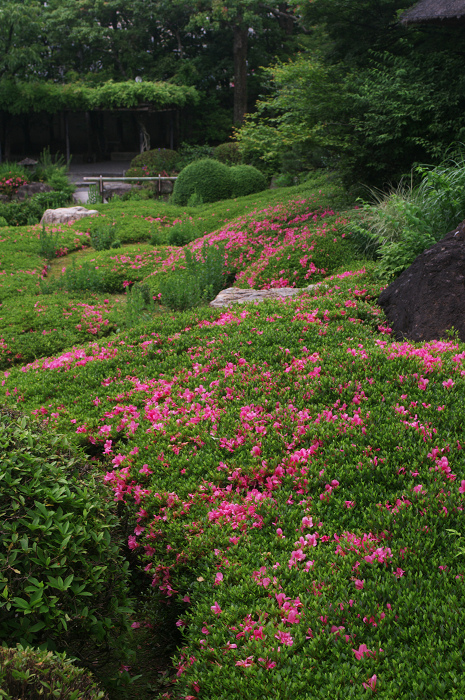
x=181, y=233
x=189, y=153
x=206, y=178
x=21, y=213
x=155, y=161
x=62, y=575
x=200, y=282
x=228, y=153
x=42, y=675
x=29, y=211
x=247, y=180
x=103, y=237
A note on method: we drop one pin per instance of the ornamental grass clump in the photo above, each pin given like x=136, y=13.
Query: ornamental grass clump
x=203, y=276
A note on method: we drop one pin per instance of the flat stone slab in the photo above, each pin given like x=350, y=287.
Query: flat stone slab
x=234, y=295
x=65, y=214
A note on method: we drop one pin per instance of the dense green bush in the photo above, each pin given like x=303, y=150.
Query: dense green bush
x=181, y=233
x=30, y=210
x=228, y=153
x=42, y=675
x=21, y=213
x=154, y=161
x=247, y=180
x=63, y=578
x=205, y=178
x=103, y=237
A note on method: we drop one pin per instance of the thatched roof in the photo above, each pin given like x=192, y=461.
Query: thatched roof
x=437, y=11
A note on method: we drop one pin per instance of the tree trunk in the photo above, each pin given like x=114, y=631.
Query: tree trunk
x=240, y=72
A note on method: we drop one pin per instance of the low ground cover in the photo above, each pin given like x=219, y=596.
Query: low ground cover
x=286, y=474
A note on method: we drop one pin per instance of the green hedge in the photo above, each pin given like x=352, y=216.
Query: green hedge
x=247, y=180
x=206, y=179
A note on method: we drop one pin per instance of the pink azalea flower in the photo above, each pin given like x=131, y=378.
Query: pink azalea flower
x=216, y=609
x=285, y=638
x=361, y=651
x=359, y=584
x=448, y=384
x=371, y=683
x=245, y=663
x=462, y=486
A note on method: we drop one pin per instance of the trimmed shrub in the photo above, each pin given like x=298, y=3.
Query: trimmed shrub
x=228, y=153
x=247, y=180
x=62, y=576
x=206, y=178
x=155, y=161
x=41, y=675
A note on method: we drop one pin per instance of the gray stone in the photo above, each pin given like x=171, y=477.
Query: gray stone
x=234, y=295
x=32, y=188
x=117, y=188
x=66, y=214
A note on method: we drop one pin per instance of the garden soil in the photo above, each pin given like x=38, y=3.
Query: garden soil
x=428, y=298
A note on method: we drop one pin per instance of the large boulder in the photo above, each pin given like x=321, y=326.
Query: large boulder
x=235, y=295
x=65, y=214
x=32, y=188
x=428, y=298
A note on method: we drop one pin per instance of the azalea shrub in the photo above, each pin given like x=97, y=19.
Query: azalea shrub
x=9, y=184
x=288, y=474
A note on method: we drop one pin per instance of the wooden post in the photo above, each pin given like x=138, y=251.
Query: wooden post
x=100, y=187
x=171, y=131
x=66, y=115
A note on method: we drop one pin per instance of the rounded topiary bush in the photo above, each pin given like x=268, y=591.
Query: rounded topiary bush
x=156, y=160
x=63, y=579
x=41, y=675
x=228, y=153
x=247, y=180
x=206, y=178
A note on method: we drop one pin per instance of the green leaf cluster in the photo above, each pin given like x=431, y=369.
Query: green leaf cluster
x=63, y=578
x=43, y=675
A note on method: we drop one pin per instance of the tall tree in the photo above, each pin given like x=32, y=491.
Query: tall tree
x=22, y=41
x=244, y=19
